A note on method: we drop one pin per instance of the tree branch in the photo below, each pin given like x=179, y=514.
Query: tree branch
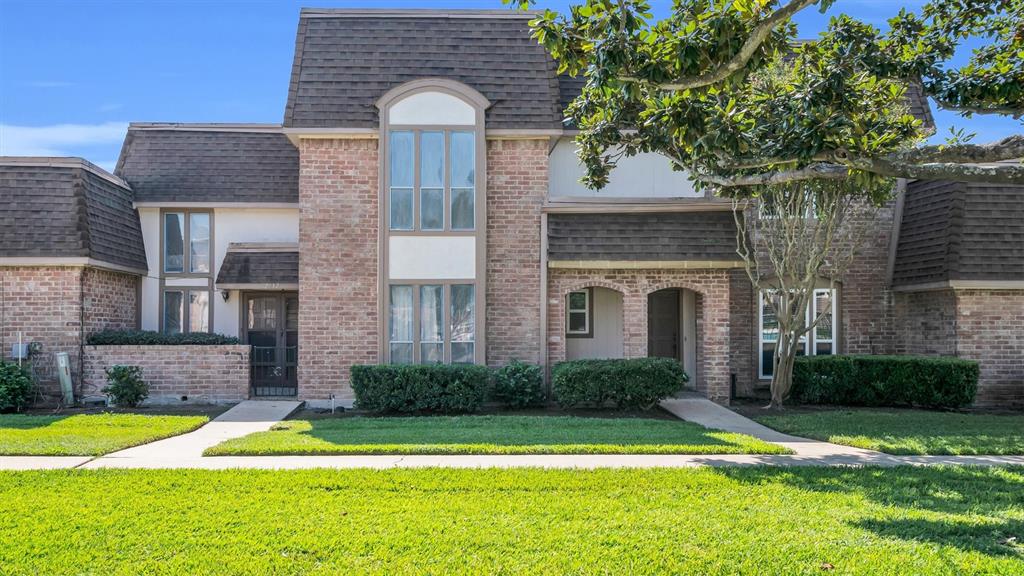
x=1015, y=113
x=1009, y=148
x=819, y=171
x=757, y=37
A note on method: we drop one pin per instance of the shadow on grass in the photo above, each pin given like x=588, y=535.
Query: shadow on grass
x=977, y=501
x=28, y=421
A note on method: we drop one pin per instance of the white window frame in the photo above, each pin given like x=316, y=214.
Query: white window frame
x=587, y=310
x=809, y=339
x=446, y=319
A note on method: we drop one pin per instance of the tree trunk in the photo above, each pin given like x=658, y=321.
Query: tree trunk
x=782, y=377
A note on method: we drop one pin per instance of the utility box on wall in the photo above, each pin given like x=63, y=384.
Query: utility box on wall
x=64, y=375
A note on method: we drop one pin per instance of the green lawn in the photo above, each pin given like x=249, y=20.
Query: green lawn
x=525, y=521
x=907, y=431
x=86, y=434
x=491, y=435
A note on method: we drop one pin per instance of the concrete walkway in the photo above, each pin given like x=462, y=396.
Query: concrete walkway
x=186, y=451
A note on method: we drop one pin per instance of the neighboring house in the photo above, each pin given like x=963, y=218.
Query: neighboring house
x=421, y=203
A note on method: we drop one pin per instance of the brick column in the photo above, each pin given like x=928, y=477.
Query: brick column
x=338, y=238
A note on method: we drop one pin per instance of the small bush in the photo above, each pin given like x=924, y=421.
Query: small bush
x=518, y=385
x=154, y=338
x=15, y=387
x=437, y=388
x=929, y=382
x=633, y=383
x=125, y=385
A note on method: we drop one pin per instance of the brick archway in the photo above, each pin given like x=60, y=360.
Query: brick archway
x=635, y=285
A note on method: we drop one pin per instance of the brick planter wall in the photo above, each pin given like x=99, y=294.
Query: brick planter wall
x=205, y=374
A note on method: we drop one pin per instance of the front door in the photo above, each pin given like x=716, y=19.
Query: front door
x=663, y=324
x=271, y=327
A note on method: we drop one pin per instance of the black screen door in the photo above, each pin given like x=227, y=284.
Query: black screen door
x=271, y=323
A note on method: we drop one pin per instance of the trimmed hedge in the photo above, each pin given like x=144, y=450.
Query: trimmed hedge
x=519, y=385
x=931, y=382
x=154, y=338
x=441, y=388
x=630, y=383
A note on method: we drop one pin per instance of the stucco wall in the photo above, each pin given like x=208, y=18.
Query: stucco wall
x=642, y=176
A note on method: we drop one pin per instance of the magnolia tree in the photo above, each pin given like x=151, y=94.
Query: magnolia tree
x=723, y=89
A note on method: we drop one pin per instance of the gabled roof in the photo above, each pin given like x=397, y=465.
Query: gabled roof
x=346, y=59
x=252, y=163
x=954, y=231
x=67, y=207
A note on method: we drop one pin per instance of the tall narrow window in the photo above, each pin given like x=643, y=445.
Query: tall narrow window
x=463, y=180
x=198, y=311
x=431, y=324
x=199, y=242
x=463, y=323
x=174, y=242
x=401, y=325
x=432, y=181
x=822, y=338
x=174, y=311
x=402, y=179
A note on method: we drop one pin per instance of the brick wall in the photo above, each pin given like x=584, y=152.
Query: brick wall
x=926, y=323
x=712, y=287
x=176, y=374
x=743, y=333
x=45, y=304
x=865, y=302
x=338, y=238
x=990, y=329
x=517, y=183
x=110, y=300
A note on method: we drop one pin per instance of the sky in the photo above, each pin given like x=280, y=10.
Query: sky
x=73, y=73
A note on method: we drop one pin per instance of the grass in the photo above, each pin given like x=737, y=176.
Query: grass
x=918, y=521
x=907, y=431
x=491, y=435
x=87, y=434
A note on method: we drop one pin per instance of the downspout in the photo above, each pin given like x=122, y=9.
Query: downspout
x=543, y=352
x=81, y=333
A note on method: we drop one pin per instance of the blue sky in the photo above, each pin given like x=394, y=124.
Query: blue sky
x=74, y=73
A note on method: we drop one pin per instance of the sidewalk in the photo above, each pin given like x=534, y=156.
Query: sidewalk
x=186, y=451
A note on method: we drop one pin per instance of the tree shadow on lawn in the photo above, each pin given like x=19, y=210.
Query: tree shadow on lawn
x=28, y=421
x=974, y=500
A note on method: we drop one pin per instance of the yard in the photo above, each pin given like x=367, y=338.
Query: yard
x=491, y=435
x=442, y=521
x=87, y=434
x=904, y=431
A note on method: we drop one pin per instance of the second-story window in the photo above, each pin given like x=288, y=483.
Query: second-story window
x=432, y=180
x=187, y=242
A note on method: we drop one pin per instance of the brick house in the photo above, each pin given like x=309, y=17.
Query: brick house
x=420, y=202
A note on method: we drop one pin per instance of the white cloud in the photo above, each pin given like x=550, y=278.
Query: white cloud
x=58, y=139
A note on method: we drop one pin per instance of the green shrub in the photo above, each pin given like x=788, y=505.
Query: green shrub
x=518, y=385
x=15, y=387
x=125, y=385
x=154, y=338
x=930, y=382
x=633, y=383
x=438, y=388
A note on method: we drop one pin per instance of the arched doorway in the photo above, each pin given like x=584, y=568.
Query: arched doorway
x=672, y=318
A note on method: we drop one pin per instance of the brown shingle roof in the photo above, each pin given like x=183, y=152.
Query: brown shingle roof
x=699, y=236
x=67, y=207
x=259, y=266
x=209, y=163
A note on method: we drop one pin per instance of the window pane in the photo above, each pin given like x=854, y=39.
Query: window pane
x=823, y=348
x=432, y=209
x=769, y=323
x=463, y=315
x=577, y=321
x=463, y=160
x=401, y=208
x=462, y=352
x=431, y=314
x=823, y=306
x=198, y=311
x=577, y=301
x=401, y=353
x=463, y=207
x=400, y=314
x=402, y=162
x=199, y=242
x=768, y=358
x=431, y=160
x=174, y=242
x=173, y=311
x=432, y=353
